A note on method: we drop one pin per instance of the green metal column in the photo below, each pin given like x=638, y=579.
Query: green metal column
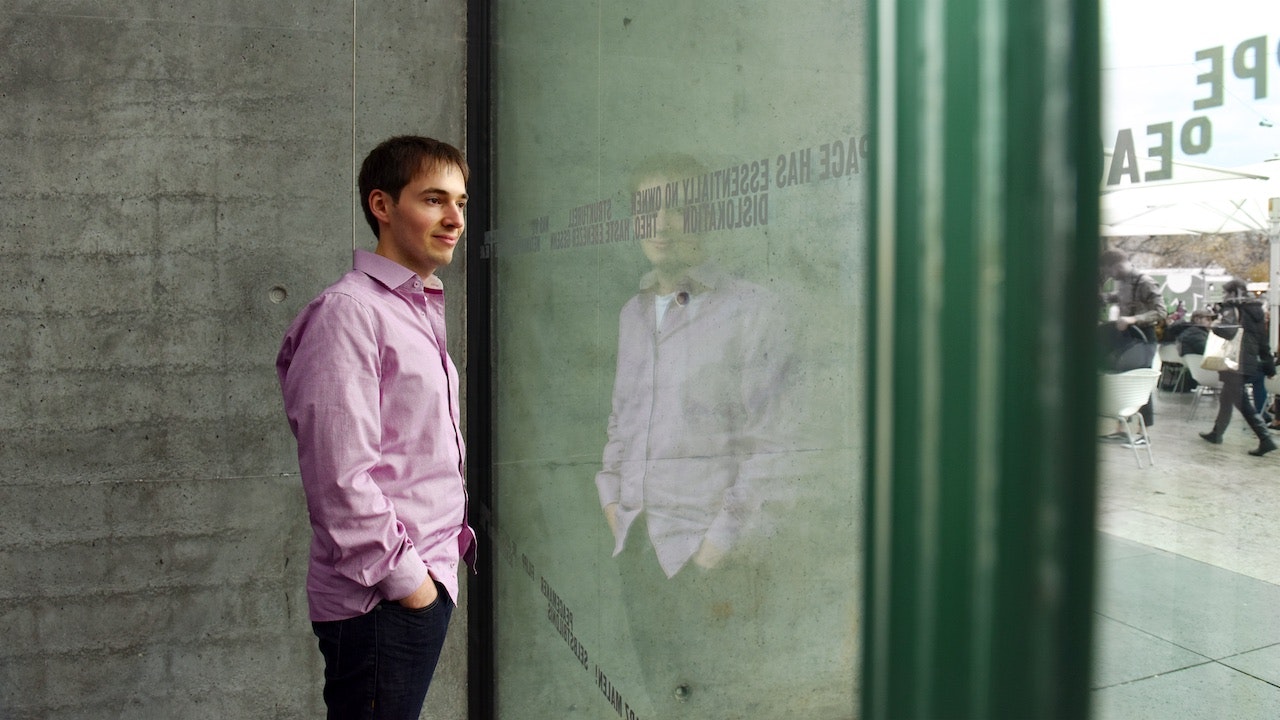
x=982, y=381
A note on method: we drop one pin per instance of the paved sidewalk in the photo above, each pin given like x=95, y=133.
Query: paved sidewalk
x=1188, y=611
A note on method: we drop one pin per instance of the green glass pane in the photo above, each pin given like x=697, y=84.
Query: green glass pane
x=678, y=284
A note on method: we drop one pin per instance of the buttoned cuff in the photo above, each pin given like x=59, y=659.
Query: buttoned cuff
x=408, y=576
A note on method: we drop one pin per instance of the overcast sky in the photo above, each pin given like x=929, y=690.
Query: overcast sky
x=1151, y=75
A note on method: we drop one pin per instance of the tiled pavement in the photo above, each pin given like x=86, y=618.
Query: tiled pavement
x=1188, y=609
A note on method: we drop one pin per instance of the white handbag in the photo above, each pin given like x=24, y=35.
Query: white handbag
x=1223, y=353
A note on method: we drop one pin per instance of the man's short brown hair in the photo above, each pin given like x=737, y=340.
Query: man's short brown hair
x=396, y=161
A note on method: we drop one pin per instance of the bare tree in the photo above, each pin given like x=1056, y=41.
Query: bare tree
x=1246, y=255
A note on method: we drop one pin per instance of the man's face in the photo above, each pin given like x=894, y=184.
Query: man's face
x=421, y=228
x=671, y=249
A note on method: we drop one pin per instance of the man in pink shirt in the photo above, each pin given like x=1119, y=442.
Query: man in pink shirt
x=372, y=398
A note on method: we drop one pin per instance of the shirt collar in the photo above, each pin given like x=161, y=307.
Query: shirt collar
x=702, y=278
x=389, y=272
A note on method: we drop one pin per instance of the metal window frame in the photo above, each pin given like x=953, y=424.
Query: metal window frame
x=981, y=464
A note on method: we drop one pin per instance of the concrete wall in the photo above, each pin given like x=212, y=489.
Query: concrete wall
x=177, y=181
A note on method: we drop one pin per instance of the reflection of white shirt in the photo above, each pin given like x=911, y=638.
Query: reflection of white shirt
x=696, y=435
x=662, y=302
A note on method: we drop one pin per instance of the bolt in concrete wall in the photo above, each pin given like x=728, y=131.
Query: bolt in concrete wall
x=178, y=181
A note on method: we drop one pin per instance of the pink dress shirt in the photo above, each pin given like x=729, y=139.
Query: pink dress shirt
x=372, y=397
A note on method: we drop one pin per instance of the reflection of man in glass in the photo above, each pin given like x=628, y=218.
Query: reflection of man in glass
x=695, y=444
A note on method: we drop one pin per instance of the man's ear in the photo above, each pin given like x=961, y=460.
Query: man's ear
x=380, y=203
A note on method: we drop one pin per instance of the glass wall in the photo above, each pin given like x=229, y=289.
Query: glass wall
x=677, y=284
x=1188, y=575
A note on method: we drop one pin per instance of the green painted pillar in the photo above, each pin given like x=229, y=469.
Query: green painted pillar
x=981, y=375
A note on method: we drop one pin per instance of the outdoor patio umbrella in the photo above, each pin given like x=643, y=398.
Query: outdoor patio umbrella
x=1201, y=200
x=1197, y=200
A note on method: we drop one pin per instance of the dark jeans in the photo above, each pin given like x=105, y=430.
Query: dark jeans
x=378, y=666
x=1259, y=384
x=1232, y=395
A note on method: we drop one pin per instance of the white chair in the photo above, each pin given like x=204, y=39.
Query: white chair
x=1175, y=370
x=1121, y=396
x=1207, y=381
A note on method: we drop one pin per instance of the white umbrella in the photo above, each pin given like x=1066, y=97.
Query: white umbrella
x=1197, y=200
x=1196, y=217
x=1201, y=200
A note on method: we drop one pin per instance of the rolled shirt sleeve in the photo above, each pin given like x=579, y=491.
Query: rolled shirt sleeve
x=332, y=400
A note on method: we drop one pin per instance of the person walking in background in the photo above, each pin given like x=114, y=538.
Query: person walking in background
x=1238, y=308
x=1274, y=423
x=372, y=398
x=1266, y=369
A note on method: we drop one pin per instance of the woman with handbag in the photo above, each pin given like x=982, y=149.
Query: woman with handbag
x=1246, y=312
